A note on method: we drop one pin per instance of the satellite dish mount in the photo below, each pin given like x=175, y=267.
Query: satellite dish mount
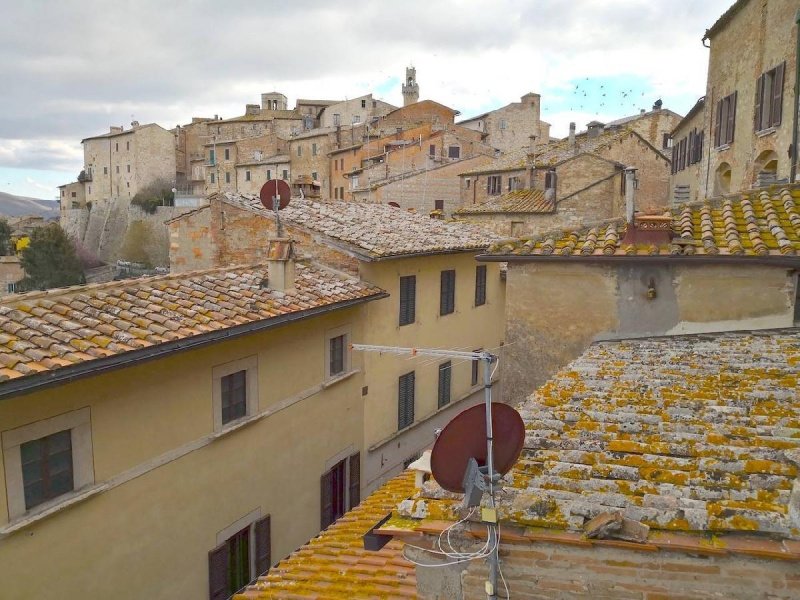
x=275, y=195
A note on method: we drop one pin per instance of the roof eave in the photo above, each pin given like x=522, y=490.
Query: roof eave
x=772, y=261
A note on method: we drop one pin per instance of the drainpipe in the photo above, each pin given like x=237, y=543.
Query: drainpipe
x=793, y=172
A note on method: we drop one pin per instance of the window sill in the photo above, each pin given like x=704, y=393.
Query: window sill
x=766, y=132
x=56, y=505
x=723, y=147
x=338, y=378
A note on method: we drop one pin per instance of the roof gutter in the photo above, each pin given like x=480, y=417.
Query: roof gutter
x=47, y=379
x=792, y=262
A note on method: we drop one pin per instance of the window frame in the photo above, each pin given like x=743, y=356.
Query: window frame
x=494, y=185
x=78, y=422
x=480, y=284
x=250, y=366
x=409, y=316
x=259, y=550
x=447, y=292
x=344, y=332
x=445, y=384
x=349, y=491
x=725, y=122
x=769, y=97
x=405, y=405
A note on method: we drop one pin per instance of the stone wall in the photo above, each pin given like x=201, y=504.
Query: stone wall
x=652, y=193
x=309, y=156
x=511, y=126
x=543, y=333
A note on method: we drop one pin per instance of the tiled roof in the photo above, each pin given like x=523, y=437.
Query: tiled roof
x=695, y=434
x=756, y=225
x=518, y=201
x=374, y=230
x=47, y=331
x=265, y=115
x=335, y=564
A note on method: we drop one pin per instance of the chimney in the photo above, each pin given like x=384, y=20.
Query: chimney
x=280, y=262
x=594, y=128
x=572, y=135
x=630, y=193
x=252, y=109
x=115, y=129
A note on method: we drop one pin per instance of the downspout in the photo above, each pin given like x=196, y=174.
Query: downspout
x=793, y=150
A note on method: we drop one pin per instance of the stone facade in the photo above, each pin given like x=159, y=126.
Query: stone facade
x=363, y=109
x=752, y=39
x=308, y=153
x=543, y=334
x=72, y=195
x=511, y=126
x=689, y=146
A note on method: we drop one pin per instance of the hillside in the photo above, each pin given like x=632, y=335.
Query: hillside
x=15, y=206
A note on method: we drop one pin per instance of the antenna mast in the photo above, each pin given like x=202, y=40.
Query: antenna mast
x=487, y=358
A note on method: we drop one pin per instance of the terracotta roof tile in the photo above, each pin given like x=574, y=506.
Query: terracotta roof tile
x=696, y=434
x=335, y=564
x=377, y=230
x=518, y=201
x=760, y=224
x=111, y=319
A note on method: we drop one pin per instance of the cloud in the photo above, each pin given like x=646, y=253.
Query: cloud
x=94, y=63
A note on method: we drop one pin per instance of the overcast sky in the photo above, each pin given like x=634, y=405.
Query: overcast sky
x=71, y=68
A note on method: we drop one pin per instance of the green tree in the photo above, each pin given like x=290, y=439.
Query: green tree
x=50, y=260
x=6, y=247
x=155, y=194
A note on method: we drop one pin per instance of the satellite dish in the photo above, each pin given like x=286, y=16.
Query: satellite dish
x=465, y=437
x=275, y=188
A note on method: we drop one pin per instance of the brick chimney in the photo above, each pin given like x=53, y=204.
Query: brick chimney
x=280, y=262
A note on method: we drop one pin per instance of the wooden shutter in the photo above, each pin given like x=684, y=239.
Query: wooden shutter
x=445, y=370
x=355, y=480
x=758, y=107
x=218, y=582
x=674, y=166
x=731, y=116
x=691, y=147
x=777, y=95
x=405, y=404
x=447, y=292
x=700, y=142
x=263, y=532
x=326, y=500
x=408, y=293
x=717, y=125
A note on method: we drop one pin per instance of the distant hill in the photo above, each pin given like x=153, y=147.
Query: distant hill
x=16, y=206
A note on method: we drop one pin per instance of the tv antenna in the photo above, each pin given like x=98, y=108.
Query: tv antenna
x=460, y=462
x=275, y=196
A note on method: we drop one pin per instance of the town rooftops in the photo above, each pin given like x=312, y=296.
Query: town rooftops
x=335, y=563
x=762, y=226
x=518, y=201
x=373, y=231
x=697, y=437
x=74, y=331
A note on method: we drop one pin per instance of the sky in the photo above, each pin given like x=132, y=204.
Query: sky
x=72, y=68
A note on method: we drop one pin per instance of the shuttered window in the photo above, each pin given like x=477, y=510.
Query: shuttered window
x=445, y=371
x=726, y=120
x=234, y=396
x=447, y=297
x=408, y=299
x=336, y=353
x=354, y=475
x=340, y=489
x=405, y=400
x=47, y=467
x=263, y=546
x=480, y=285
x=229, y=563
x=769, y=98
x=494, y=185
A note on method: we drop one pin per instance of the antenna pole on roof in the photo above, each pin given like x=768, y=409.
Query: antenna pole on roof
x=487, y=358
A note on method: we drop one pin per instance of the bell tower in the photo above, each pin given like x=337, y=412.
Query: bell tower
x=410, y=87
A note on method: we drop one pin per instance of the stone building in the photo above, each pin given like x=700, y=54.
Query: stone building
x=701, y=268
x=748, y=116
x=438, y=296
x=662, y=467
x=363, y=109
x=128, y=408
x=688, y=149
x=410, y=87
x=72, y=195
x=308, y=152
x=511, y=126
x=566, y=183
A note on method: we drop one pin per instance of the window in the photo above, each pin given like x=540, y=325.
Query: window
x=513, y=184
x=336, y=120
x=340, y=489
x=665, y=140
x=769, y=98
x=447, y=297
x=725, y=121
x=213, y=178
x=341, y=164
x=363, y=104
x=432, y=150
x=247, y=175
x=337, y=352
x=285, y=174
x=408, y=299
x=269, y=175
x=227, y=153
x=445, y=371
x=503, y=124
x=127, y=145
x=405, y=400
x=11, y=288
x=313, y=149
x=314, y=175
x=105, y=170
x=117, y=168
x=341, y=193
x=494, y=184
x=550, y=178
x=335, y=165
x=116, y=146
x=480, y=285
x=212, y=157
x=227, y=177
x=46, y=460
x=354, y=182
x=438, y=205
x=453, y=152
x=74, y=194
x=299, y=150
x=336, y=193
x=469, y=181
x=239, y=558
x=127, y=184
x=475, y=369
x=356, y=119
x=235, y=391
x=687, y=151
x=129, y=168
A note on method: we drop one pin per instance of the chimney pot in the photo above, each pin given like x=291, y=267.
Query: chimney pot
x=572, y=135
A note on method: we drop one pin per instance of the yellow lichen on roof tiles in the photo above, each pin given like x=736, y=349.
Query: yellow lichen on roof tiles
x=762, y=225
x=335, y=564
x=517, y=201
x=96, y=321
x=687, y=433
